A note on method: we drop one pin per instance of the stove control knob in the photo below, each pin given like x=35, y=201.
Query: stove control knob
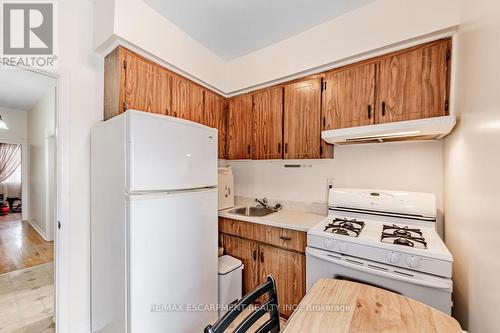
x=329, y=244
x=393, y=257
x=413, y=261
x=343, y=247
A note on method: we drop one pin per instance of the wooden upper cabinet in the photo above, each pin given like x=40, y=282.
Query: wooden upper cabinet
x=414, y=84
x=147, y=85
x=114, y=83
x=302, y=112
x=268, y=124
x=215, y=116
x=187, y=99
x=349, y=97
x=132, y=82
x=239, y=127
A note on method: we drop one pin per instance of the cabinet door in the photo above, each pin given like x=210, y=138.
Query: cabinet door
x=114, y=83
x=288, y=269
x=187, y=99
x=349, y=97
x=215, y=116
x=147, y=85
x=302, y=119
x=247, y=252
x=414, y=84
x=239, y=127
x=268, y=124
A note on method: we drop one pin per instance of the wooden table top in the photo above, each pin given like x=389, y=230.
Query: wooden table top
x=343, y=306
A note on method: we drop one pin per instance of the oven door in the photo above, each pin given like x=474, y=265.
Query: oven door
x=428, y=289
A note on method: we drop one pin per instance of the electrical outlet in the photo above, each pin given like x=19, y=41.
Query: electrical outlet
x=329, y=183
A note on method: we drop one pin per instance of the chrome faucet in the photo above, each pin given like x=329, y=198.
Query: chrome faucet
x=264, y=203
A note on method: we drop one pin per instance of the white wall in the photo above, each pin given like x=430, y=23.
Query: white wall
x=142, y=27
x=16, y=122
x=40, y=136
x=368, y=28
x=81, y=96
x=472, y=165
x=376, y=25
x=410, y=166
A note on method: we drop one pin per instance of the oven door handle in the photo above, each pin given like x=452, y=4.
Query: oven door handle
x=434, y=284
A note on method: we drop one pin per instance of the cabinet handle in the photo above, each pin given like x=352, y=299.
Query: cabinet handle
x=254, y=255
x=262, y=257
x=249, y=149
x=279, y=148
x=286, y=148
x=369, y=111
x=383, y=108
x=286, y=238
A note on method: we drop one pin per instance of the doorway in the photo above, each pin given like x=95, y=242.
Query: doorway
x=27, y=200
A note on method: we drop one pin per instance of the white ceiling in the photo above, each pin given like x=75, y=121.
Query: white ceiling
x=21, y=89
x=232, y=28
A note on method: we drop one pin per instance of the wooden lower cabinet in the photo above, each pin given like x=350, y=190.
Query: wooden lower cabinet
x=247, y=251
x=262, y=259
x=288, y=269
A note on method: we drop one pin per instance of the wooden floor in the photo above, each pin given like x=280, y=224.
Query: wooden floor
x=21, y=246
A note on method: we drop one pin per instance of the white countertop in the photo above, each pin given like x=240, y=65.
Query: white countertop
x=287, y=219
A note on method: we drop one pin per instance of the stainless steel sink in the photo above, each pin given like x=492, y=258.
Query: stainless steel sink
x=253, y=211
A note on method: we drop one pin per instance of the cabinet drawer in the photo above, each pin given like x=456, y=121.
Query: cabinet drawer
x=276, y=236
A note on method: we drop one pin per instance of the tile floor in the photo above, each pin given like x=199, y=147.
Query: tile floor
x=27, y=300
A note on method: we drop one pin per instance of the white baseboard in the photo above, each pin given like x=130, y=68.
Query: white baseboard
x=38, y=230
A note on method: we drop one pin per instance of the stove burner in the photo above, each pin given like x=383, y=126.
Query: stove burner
x=402, y=233
x=340, y=231
x=404, y=236
x=345, y=227
x=403, y=241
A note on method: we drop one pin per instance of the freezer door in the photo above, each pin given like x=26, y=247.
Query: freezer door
x=173, y=262
x=166, y=153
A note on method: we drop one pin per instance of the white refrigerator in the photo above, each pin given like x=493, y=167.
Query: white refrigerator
x=153, y=224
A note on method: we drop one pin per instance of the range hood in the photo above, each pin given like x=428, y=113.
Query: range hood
x=420, y=129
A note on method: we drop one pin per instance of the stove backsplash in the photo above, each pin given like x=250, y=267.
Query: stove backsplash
x=407, y=166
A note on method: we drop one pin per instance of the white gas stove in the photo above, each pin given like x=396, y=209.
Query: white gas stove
x=384, y=238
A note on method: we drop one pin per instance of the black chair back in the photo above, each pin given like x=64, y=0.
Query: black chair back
x=272, y=325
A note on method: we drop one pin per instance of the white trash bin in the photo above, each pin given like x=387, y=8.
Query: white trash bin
x=230, y=282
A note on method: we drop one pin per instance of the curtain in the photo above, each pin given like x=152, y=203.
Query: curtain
x=11, y=187
x=10, y=159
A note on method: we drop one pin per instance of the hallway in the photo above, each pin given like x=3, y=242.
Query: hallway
x=21, y=246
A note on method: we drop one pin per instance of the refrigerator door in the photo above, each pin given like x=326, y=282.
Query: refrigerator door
x=166, y=153
x=173, y=261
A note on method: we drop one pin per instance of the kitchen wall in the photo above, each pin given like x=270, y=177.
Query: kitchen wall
x=41, y=123
x=410, y=166
x=373, y=26
x=177, y=50
x=472, y=165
